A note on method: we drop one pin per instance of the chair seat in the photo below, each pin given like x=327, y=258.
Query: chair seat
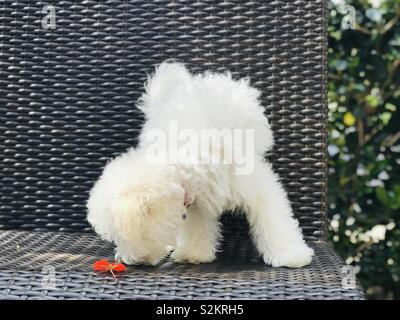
x=238, y=272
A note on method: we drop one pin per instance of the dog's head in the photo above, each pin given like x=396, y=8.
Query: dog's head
x=139, y=206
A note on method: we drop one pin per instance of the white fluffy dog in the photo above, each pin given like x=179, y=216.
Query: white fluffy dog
x=147, y=208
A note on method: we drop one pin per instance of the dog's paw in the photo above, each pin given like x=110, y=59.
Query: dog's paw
x=126, y=258
x=130, y=260
x=188, y=256
x=296, y=256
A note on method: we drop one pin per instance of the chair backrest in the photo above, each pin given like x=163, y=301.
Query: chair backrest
x=67, y=95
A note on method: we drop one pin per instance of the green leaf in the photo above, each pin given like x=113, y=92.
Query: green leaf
x=372, y=101
x=349, y=119
x=382, y=195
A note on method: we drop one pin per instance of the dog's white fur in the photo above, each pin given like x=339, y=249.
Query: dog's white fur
x=138, y=205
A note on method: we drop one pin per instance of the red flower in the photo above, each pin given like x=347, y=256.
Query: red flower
x=106, y=266
x=119, y=267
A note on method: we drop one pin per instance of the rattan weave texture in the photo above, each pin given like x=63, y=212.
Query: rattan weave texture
x=238, y=272
x=67, y=96
x=67, y=105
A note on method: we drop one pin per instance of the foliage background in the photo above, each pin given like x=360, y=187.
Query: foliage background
x=364, y=142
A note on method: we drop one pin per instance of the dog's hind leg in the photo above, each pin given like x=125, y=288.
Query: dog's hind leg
x=275, y=231
x=198, y=238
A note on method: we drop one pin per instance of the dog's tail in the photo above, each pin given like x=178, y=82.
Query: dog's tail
x=167, y=79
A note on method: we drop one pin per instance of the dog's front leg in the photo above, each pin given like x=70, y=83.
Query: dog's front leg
x=197, y=240
x=275, y=231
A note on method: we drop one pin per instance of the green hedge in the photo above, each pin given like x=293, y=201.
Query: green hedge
x=364, y=142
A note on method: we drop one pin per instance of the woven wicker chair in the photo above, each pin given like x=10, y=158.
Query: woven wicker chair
x=67, y=105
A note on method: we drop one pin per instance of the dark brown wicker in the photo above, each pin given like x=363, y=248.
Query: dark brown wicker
x=67, y=101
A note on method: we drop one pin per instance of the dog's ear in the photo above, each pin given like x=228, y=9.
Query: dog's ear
x=160, y=87
x=131, y=211
x=127, y=214
x=146, y=214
